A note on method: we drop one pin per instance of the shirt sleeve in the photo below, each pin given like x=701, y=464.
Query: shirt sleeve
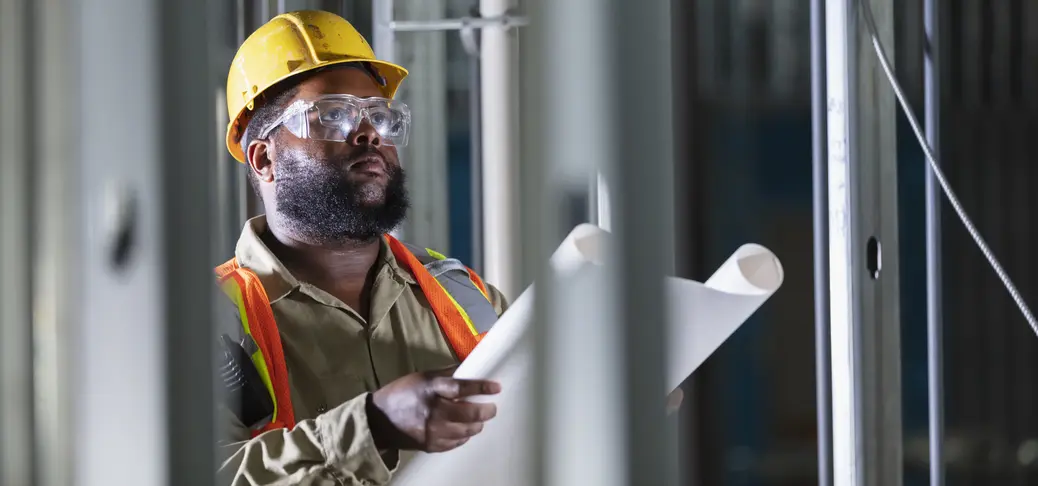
x=335, y=448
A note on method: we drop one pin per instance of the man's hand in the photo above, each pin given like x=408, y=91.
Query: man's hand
x=427, y=412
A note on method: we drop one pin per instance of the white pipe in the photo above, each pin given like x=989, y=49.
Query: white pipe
x=500, y=203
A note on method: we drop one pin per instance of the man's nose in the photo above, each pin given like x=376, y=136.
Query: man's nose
x=365, y=134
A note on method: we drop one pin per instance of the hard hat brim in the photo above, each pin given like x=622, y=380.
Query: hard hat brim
x=393, y=74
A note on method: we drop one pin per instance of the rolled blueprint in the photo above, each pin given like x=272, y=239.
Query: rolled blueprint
x=701, y=317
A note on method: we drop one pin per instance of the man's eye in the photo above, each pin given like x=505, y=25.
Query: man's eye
x=336, y=115
x=378, y=119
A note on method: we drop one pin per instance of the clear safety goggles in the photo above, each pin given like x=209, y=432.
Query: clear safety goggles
x=335, y=117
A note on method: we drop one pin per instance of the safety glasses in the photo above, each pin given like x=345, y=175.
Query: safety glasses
x=334, y=117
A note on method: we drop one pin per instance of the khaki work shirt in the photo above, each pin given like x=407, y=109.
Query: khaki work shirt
x=335, y=359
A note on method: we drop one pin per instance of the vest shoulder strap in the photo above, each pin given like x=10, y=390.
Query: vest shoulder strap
x=462, y=283
x=443, y=294
x=244, y=288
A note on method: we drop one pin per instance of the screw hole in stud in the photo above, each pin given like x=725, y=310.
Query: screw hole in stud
x=873, y=258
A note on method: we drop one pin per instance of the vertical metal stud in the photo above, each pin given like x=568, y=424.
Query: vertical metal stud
x=498, y=125
x=185, y=170
x=17, y=436
x=862, y=186
x=643, y=225
x=471, y=39
x=823, y=378
x=384, y=42
x=57, y=269
x=538, y=241
x=934, y=287
x=579, y=67
x=567, y=64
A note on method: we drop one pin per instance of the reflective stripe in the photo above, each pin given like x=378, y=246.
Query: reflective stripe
x=465, y=288
x=469, y=298
x=440, y=267
x=233, y=290
x=461, y=310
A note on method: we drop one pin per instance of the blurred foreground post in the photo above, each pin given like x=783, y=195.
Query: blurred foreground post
x=596, y=97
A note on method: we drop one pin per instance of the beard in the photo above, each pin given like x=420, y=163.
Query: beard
x=319, y=202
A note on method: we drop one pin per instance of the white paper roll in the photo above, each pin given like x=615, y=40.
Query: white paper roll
x=702, y=317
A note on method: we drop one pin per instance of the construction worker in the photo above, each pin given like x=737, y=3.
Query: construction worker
x=347, y=333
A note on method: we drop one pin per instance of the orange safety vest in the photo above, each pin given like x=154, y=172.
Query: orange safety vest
x=457, y=296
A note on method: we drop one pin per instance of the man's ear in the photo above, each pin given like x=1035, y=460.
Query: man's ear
x=259, y=160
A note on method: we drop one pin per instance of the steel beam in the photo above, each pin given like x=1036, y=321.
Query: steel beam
x=863, y=251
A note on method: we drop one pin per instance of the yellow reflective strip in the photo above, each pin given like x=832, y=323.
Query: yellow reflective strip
x=435, y=254
x=230, y=287
x=461, y=310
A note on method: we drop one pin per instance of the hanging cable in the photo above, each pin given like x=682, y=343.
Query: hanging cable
x=870, y=24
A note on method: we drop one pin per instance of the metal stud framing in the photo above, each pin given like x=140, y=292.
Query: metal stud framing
x=863, y=251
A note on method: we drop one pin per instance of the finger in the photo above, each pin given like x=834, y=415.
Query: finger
x=443, y=430
x=463, y=412
x=446, y=445
x=451, y=388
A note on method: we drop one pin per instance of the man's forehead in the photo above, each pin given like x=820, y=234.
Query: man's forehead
x=352, y=79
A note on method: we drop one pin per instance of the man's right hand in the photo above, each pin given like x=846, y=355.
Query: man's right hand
x=427, y=411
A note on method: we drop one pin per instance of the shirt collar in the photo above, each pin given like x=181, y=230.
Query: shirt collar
x=278, y=282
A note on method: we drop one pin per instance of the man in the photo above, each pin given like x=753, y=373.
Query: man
x=352, y=332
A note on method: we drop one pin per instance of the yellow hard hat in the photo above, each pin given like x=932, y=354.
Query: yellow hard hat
x=289, y=45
